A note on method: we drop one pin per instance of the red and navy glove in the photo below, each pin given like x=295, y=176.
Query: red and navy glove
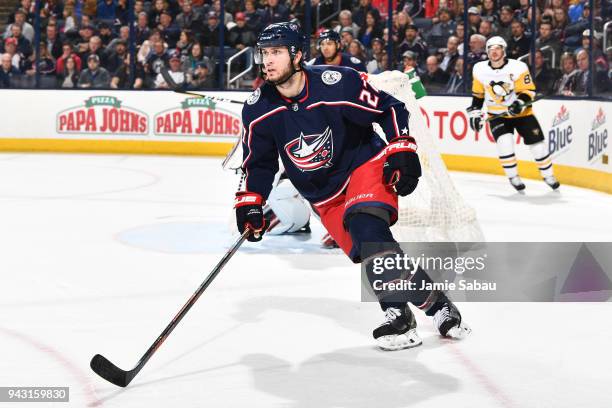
x=249, y=214
x=402, y=168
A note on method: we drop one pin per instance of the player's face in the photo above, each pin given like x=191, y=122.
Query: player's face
x=495, y=53
x=329, y=49
x=277, y=63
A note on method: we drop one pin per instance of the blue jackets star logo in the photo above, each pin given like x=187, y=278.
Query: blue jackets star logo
x=311, y=152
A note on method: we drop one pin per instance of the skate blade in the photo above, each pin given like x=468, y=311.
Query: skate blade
x=399, y=341
x=459, y=332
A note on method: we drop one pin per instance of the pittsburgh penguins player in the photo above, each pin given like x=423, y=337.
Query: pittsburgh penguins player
x=507, y=88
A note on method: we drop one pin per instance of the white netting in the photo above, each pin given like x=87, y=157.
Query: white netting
x=435, y=211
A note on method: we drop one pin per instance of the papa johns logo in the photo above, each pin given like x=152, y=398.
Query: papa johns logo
x=311, y=152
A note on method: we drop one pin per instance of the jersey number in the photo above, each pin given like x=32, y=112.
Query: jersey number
x=527, y=79
x=367, y=97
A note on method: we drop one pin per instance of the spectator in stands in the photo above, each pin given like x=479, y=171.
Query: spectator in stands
x=434, y=78
x=346, y=36
x=96, y=47
x=451, y=54
x=576, y=10
x=105, y=33
x=473, y=19
x=196, y=56
x=413, y=42
x=297, y=10
x=185, y=42
x=371, y=29
x=7, y=71
x=122, y=12
x=523, y=11
x=254, y=16
x=599, y=59
x=442, y=30
x=142, y=31
x=504, y=27
x=544, y=76
x=547, y=39
x=68, y=77
x=124, y=35
x=105, y=10
x=456, y=81
x=459, y=33
x=359, y=13
x=568, y=82
x=275, y=13
x=17, y=59
x=228, y=18
x=210, y=33
x=489, y=11
x=379, y=64
x=138, y=7
x=399, y=26
x=357, y=50
x=477, y=51
x=155, y=61
x=573, y=31
x=53, y=41
x=174, y=70
x=378, y=46
x=189, y=19
x=115, y=59
x=69, y=18
x=241, y=36
x=486, y=29
x=159, y=6
x=86, y=32
x=121, y=78
x=346, y=20
x=410, y=61
x=26, y=5
x=67, y=52
x=168, y=29
x=46, y=63
x=600, y=79
x=560, y=21
x=26, y=28
x=24, y=46
x=201, y=78
x=94, y=76
x=519, y=44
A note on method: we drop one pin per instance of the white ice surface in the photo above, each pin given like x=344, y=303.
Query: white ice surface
x=99, y=252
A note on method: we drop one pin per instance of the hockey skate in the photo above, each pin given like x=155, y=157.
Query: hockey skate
x=449, y=323
x=517, y=183
x=552, y=182
x=398, y=331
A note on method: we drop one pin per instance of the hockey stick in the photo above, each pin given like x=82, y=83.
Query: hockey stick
x=111, y=373
x=180, y=89
x=492, y=116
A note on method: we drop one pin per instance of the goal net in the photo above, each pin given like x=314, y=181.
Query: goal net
x=435, y=211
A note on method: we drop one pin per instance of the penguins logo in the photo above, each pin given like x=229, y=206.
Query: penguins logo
x=500, y=90
x=311, y=152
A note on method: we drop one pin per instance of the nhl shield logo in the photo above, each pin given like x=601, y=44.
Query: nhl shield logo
x=311, y=152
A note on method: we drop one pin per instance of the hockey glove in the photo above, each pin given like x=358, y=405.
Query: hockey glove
x=476, y=120
x=249, y=214
x=402, y=168
x=517, y=107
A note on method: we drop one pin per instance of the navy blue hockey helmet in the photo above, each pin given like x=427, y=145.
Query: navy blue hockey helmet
x=330, y=35
x=281, y=35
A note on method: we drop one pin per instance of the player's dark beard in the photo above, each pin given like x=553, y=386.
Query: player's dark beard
x=284, y=78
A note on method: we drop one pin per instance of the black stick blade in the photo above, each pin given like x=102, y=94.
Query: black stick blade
x=110, y=372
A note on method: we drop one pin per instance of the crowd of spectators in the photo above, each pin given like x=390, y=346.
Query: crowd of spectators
x=86, y=43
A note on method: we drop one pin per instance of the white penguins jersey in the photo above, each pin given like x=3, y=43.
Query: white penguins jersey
x=499, y=87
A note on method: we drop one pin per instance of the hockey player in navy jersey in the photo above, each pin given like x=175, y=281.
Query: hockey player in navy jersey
x=330, y=49
x=319, y=121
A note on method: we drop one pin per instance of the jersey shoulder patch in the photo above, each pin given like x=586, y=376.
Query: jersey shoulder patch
x=331, y=77
x=355, y=60
x=254, y=97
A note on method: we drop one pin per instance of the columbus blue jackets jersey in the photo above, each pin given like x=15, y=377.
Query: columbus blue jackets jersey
x=345, y=61
x=321, y=135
